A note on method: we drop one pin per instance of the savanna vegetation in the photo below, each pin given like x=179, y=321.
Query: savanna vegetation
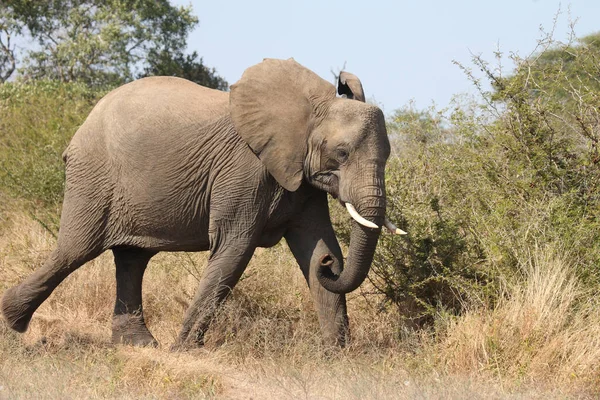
x=492, y=294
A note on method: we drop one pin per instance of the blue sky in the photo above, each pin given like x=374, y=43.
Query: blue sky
x=401, y=50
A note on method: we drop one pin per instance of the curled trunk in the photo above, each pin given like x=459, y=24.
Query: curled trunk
x=363, y=241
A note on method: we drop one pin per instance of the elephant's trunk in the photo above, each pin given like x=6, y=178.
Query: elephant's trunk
x=363, y=241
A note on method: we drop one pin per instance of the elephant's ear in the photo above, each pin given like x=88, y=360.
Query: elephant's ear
x=274, y=107
x=350, y=85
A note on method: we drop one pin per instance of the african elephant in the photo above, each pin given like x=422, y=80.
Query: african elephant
x=163, y=164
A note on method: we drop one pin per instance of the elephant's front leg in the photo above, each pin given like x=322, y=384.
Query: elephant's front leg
x=313, y=243
x=331, y=307
x=224, y=269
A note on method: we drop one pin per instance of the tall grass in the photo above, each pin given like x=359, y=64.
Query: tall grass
x=545, y=328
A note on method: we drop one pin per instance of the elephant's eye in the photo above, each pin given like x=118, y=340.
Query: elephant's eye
x=341, y=155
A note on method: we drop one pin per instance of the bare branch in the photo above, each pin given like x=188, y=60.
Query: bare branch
x=7, y=57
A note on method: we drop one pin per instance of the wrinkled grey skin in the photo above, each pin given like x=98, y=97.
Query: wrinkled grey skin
x=162, y=164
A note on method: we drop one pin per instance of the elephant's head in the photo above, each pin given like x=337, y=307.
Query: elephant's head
x=293, y=121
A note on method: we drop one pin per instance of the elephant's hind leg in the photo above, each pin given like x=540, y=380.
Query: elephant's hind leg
x=128, y=325
x=20, y=302
x=80, y=239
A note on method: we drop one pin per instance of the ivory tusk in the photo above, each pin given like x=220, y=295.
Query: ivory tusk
x=393, y=228
x=358, y=218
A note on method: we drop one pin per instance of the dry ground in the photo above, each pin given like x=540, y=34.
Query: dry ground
x=266, y=344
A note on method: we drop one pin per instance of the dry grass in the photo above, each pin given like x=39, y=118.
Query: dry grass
x=546, y=329
x=542, y=342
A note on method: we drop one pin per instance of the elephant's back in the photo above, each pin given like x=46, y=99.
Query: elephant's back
x=163, y=96
x=160, y=91
x=150, y=108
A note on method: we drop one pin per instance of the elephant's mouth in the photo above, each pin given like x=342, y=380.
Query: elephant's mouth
x=328, y=181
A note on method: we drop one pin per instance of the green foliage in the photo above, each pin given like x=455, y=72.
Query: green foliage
x=439, y=265
x=96, y=42
x=552, y=103
x=424, y=126
x=549, y=132
x=37, y=120
x=561, y=71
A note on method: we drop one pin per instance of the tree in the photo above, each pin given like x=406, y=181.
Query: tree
x=553, y=98
x=96, y=42
x=424, y=126
x=188, y=66
x=8, y=29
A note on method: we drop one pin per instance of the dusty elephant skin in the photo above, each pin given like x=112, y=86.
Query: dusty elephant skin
x=162, y=164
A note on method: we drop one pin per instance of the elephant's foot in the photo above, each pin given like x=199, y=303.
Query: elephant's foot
x=334, y=343
x=16, y=311
x=188, y=341
x=130, y=329
x=185, y=346
x=336, y=332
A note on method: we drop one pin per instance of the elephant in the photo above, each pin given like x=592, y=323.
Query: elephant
x=164, y=164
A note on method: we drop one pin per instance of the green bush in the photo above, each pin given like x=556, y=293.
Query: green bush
x=37, y=120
